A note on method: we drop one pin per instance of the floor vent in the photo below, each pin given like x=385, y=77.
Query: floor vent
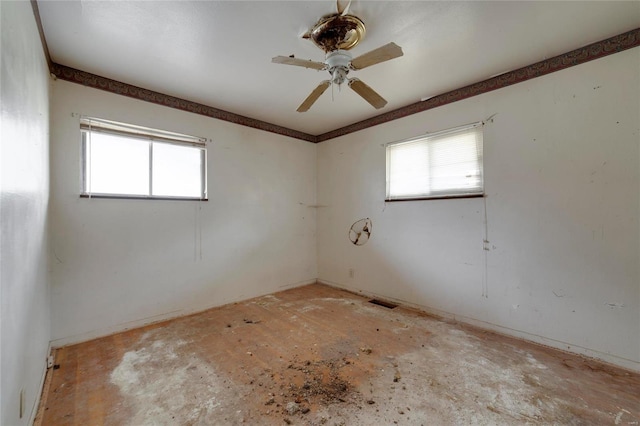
x=383, y=303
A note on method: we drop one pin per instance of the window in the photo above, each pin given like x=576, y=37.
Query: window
x=438, y=165
x=126, y=161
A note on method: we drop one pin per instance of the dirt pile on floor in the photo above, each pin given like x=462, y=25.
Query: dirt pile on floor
x=306, y=385
x=321, y=382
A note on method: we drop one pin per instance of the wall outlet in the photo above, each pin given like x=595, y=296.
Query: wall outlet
x=352, y=273
x=50, y=361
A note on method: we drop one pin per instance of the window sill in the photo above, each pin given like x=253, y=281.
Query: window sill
x=140, y=197
x=444, y=197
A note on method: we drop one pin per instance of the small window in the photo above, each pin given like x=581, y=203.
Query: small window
x=445, y=164
x=126, y=161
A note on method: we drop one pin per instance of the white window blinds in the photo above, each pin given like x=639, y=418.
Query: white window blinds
x=123, y=160
x=443, y=164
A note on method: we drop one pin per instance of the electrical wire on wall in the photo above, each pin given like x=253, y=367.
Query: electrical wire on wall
x=485, y=247
x=197, y=234
x=485, y=240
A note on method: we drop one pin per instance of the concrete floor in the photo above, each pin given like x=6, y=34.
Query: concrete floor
x=317, y=355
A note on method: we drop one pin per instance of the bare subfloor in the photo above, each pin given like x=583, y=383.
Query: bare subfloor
x=317, y=355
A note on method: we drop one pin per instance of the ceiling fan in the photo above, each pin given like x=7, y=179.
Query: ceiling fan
x=335, y=34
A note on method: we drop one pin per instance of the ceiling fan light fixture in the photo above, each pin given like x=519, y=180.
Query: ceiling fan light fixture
x=338, y=65
x=339, y=75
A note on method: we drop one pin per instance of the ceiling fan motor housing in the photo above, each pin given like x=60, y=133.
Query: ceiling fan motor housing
x=338, y=63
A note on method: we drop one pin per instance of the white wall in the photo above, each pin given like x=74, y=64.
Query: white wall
x=121, y=263
x=24, y=196
x=562, y=165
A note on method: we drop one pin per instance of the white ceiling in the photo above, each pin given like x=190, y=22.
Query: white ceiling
x=219, y=53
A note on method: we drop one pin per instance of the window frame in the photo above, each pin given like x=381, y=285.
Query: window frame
x=149, y=135
x=430, y=137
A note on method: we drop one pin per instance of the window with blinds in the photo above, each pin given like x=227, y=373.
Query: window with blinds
x=445, y=164
x=125, y=161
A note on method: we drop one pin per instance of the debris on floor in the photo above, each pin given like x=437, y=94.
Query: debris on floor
x=324, y=356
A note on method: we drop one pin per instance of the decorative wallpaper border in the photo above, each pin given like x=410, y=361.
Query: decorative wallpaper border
x=97, y=82
x=575, y=57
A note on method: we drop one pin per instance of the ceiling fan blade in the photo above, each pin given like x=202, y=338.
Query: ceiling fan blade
x=304, y=106
x=307, y=63
x=367, y=93
x=381, y=54
x=343, y=10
